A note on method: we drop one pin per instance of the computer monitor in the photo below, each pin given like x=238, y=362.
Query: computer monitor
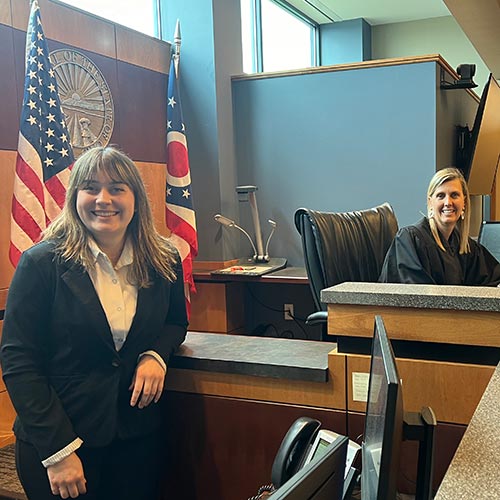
x=384, y=422
x=320, y=479
x=387, y=425
x=478, y=153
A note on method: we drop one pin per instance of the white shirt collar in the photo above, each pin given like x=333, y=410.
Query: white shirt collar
x=126, y=257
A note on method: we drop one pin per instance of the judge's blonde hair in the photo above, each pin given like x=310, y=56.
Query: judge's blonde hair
x=463, y=225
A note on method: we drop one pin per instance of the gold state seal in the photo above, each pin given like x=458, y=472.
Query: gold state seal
x=85, y=99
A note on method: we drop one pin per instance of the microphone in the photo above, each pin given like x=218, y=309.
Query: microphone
x=225, y=221
x=273, y=226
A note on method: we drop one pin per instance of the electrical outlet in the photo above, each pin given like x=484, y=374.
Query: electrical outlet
x=288, y=309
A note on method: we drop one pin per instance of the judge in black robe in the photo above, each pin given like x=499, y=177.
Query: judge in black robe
x=414, y=257
x=438, y=250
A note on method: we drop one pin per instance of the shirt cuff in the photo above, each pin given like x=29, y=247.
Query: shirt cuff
x=156, y=356
x=62, y=454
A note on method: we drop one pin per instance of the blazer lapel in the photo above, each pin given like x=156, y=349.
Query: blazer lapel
x=80, y=284
x=148, y=301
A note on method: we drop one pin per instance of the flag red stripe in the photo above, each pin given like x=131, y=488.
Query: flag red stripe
x=56, y=189
x=25, y=221
x=14, y=254
x=184, y=230
x=29, y=178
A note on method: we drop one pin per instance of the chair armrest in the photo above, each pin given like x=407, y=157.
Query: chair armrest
x=317, y=318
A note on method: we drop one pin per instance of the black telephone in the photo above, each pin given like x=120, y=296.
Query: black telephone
x=293, y=449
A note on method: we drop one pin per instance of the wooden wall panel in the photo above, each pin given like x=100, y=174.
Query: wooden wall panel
x=5, y=12
x=221, y=448
x=8, y=415
x=89, y=32
x=7, y=167
x=452, y=390
x=69, y=25
x=143, y=112
x=217, y=307
x=154, y=176
x=136, y=48
x=10, y=91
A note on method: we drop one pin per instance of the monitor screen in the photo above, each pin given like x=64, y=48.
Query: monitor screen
x=321, y=479
x=383, y=422
x=482, y=157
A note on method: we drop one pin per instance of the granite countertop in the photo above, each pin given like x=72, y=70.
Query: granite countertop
x=258, y=356
x=473, y=472
x=467, y=298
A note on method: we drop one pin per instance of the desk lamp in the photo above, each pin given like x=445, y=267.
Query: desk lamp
x=260, y=257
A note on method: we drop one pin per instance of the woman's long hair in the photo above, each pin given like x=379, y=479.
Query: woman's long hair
x=71, y=237
x=439, y=178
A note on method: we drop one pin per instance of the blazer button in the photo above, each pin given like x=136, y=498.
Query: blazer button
x=115, y=363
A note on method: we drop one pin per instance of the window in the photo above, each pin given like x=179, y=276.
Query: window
x=275, y=37
x=140, y=15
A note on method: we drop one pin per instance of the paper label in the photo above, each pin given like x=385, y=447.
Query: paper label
x=360, y=381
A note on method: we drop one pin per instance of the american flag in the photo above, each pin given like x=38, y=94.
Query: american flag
x=44, y=154
x=180, y=216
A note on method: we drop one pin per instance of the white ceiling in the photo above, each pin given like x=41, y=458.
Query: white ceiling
x=479, y=19
x=373, y=11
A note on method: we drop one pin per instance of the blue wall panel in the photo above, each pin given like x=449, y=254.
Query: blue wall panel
x=336, y=141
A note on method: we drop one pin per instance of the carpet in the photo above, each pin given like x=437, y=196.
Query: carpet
x=10, y=487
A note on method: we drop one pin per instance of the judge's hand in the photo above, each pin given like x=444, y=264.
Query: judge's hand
x=67, y=478
x=147, y=383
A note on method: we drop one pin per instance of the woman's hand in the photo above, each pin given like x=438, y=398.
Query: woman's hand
x=148, y=381
x=67, y=478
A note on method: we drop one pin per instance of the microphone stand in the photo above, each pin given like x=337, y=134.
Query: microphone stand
x=260, y=263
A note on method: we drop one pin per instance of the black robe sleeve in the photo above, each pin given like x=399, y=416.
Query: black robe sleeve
x=482, y=269
x=405, y=262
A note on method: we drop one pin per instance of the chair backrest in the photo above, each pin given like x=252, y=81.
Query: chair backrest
x=344, y=246
x=489, y=237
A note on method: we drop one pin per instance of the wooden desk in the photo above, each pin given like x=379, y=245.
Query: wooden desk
x=230, y=303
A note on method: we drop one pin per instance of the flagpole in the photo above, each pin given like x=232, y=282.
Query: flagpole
x=177, y=47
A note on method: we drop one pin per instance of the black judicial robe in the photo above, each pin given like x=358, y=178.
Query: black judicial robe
x=414, y=257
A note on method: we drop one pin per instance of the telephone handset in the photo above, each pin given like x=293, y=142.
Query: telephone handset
x=293, y=449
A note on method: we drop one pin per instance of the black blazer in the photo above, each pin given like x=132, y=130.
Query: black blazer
x=60, y=366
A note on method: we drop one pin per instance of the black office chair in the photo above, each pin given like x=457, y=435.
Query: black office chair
x=489, y=237
x=343, y=246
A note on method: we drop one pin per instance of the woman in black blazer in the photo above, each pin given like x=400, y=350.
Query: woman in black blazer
x=93, y=313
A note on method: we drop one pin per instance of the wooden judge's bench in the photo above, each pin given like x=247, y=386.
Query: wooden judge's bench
x=447, y=344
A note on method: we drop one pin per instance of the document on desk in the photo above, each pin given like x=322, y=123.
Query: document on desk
x=250, y=270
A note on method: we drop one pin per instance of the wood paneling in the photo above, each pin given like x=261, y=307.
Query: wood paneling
x=136, y=48
x=426, y=325
x=7, y=419
x=222, y=448
x=217, y=307
x=249, y=387
x=5, y=12
x=7, y=167
x=142, y=112
x=452, y=390
x=10, y=92
x=154, y=176
x=83, y=30
x=7, y=413
x=69, y=25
